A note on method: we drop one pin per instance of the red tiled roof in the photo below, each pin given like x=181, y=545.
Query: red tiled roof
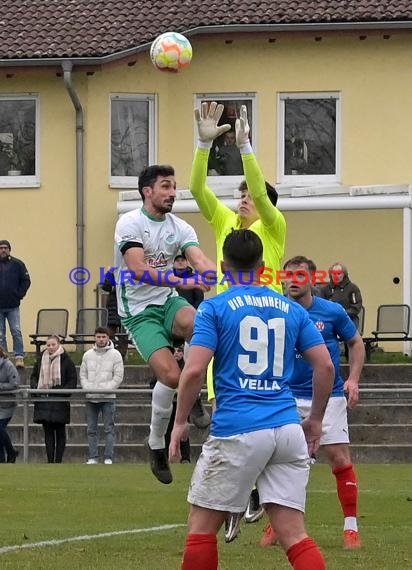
x=95, y=28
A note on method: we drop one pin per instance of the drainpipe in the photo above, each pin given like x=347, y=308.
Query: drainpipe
x=67, y=76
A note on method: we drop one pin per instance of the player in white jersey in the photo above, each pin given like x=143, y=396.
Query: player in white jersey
x=256, y=435
x=146, y=242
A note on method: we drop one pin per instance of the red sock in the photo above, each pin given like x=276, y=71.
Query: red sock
x=347, y=489
x=305, y=555
x=200, y=552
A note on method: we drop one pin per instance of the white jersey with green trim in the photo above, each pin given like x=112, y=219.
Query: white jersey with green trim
x=161, y=241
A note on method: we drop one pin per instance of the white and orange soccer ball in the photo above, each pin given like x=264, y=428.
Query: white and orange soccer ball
x=171, y=52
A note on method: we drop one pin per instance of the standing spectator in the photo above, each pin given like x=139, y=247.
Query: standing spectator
x=14, y=283
x=182, y=269
x=109, y=300
x=101, y=369
x=9, y=380
x=341, y=290
x=53, y=371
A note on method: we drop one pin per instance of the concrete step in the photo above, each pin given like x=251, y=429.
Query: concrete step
x=136, y=453
x=380, y=426
x=134, y=411
x=380, y=413
x=383, y=434
x=139, y=411
x=377, y=398
x=386, y=453
x=377, y=374
x=136, y=433
x=77, y=433
x=124, y=453
x=383, y=373
x=134, y=375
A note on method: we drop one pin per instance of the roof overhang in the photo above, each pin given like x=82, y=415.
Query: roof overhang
x=211, y=30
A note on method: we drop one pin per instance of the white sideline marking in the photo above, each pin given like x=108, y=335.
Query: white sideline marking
x=5, y=549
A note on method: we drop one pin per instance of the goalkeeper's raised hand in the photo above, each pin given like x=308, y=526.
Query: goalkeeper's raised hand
x=207, y=119
x=242, y=128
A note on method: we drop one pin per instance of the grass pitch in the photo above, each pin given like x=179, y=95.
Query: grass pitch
x=57, y=502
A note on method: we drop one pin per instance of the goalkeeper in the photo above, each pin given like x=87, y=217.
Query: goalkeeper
x=256, y=211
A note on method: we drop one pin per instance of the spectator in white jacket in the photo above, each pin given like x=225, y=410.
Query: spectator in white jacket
x=101, y=369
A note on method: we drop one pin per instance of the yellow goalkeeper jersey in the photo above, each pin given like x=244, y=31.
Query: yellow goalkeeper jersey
x=271, y=227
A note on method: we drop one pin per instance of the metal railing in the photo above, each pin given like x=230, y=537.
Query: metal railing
x=28, y=396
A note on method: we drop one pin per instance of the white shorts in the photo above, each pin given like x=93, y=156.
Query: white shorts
x=335, y=421
x=275, y=459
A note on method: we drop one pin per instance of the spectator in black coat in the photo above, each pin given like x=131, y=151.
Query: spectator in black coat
x=341, y=290
x=53, y=371
x=14, y=283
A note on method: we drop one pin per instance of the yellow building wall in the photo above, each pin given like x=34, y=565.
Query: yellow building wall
x=376, y=142
x=357, y=239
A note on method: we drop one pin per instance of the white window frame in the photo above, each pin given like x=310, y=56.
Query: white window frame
x=151, y=98
x=227, y=185
x=25, y=181
x=312, y=179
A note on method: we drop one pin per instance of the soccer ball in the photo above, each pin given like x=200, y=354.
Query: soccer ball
x=170, y=52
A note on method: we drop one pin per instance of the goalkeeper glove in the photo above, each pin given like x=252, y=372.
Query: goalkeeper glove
x=242, y=128
x=207, y=119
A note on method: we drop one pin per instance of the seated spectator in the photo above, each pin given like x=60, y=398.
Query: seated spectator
x=9, y=380
x=53, y=371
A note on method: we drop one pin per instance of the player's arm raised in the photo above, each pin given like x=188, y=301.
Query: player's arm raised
x=268, y=213
x=206, y=120
x=143, y=273
x=200, y=262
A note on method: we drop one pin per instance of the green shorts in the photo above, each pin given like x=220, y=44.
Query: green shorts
x=152, y=328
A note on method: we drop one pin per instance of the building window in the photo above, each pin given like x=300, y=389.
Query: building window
x=225, y=159
x=18, y=134
x=309, y=138
x=132, y=131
